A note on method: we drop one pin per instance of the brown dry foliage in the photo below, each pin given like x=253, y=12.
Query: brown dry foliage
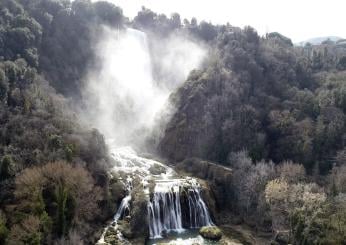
x=20, y=232
x=77, y=180
x=291, y=172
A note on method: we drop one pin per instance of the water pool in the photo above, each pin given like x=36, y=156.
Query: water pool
x=186, y=237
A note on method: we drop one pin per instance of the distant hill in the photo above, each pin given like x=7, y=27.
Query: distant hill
x=319, y=40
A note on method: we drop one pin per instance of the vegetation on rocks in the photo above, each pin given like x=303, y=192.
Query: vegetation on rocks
x=210, y=232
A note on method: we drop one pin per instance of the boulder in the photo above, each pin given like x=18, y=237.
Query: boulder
x=125, y=229
x=282, y=237
x=138, y=224
x=211, y=233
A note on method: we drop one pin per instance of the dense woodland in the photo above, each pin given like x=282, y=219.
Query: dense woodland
x=53, y=171
x=273, y=112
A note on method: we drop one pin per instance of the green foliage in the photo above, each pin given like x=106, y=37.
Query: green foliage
x=342, y=63
x=35, y=125
x=3, y=229
x=279, y=38
x=7, y=167
x=70, y=152
x=61, y=194
x=263, y=95
x=4, y=86
x=325, y=226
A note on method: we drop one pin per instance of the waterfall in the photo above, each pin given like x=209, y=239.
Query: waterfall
x=198, y=211
x=165, y=210
x=123, y=210
x=123, y=95
x=123, y=98
x=124, y=207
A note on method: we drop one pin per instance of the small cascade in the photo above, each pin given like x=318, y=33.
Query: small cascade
x=174, y=204
x=124, y=208
x=123, y=211
x=198, y=211
x=165, y=209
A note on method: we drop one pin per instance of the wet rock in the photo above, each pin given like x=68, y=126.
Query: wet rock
x=157, y=169
x=211, y=233
x=126, y=230
x=282, y=237
x=116, y=192
x=139, y=212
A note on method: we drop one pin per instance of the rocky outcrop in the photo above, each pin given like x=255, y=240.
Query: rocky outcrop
x=138, y=225
x=111, y=237
x=218, y=177
x=211, y=233
x=282, y=237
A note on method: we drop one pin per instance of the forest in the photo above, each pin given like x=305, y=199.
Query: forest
x=271, y=111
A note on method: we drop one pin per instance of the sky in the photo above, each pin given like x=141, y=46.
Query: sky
x=296, y=19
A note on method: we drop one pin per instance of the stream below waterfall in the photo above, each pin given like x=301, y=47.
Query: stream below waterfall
x=187, y=237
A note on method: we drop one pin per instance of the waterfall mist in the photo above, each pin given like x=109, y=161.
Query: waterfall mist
x=124, y=96
x=133, y=80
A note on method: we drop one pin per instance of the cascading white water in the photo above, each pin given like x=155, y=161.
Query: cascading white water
x=198, y=211
x=122, y=99
x=124, y=207
x=165, y=209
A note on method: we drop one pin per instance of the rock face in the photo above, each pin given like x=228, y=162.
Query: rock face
x=282, y=237
x=218, y=177
x=211, y=233
x=138, y=225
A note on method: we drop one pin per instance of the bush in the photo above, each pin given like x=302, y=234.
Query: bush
x=28, y=232
x=66, y=193
x=3, y=229
x=7, y=167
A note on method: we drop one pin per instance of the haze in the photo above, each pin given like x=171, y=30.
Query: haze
x=299, y=20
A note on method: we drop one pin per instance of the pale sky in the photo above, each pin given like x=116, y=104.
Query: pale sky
x=297, y=19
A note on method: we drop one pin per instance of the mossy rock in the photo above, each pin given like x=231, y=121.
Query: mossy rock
x=282, y=237
x=211, y=233
x=125, y=229
x=112, y=240
x=111, y=237
x=157, y=169
x=139, y=222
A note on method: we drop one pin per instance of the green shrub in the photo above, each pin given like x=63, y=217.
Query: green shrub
x=3, y=229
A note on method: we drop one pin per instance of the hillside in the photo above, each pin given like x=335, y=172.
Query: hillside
x=259, y=124
x=319, y=40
